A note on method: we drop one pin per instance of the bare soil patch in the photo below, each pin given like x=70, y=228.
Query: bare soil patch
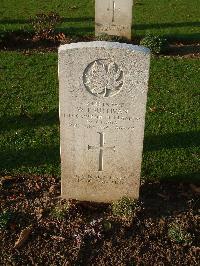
x=38, y=233
x=184, y=50
x=27, y=42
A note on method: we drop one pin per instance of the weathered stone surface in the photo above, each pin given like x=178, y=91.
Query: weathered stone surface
x=103, y=93
x=113, y=17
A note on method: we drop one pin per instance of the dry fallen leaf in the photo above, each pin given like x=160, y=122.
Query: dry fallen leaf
x=58, y=238
x=39, y=213
x=24, y=235
x=73, y=7
x=37, y=186
x=52, y=189
x=8, y=177
x=153, y=109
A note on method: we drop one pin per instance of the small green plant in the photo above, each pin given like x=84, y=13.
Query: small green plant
x=124, y=207
x=131, y=263
x=59, y=212
x=44, y=25
x=2, y=37
x=157, y=44
x=110, y=38
x=177, y=234
x=5, y=218
x=107, y=225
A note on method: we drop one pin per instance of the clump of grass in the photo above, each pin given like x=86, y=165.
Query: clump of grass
x=177, y=234
x=125, y=207
x=3, y=36
x=5, y=218
x=107, y=225
x=132, y=263
x=157, y=44
x=59, y=212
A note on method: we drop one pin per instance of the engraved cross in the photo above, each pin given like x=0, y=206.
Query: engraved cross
x=102, y=149
x=113, y=10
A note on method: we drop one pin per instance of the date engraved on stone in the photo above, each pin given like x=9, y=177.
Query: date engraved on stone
x=103, y=78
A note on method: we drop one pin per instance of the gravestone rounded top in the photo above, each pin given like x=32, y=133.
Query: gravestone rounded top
x=103, y=44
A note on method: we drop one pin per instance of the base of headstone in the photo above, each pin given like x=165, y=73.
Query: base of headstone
x=113, y=30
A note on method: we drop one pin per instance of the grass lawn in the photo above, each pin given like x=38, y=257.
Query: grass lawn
x=176, y=19
x=29, y=113
x=29, y=133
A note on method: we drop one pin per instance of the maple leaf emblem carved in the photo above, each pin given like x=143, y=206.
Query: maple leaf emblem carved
x=103, y=78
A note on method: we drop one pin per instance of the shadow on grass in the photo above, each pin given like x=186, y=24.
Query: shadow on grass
x=166, y=25
x=42, y=156
x=75, y=31
x=190, y=37
x=185, y=38
x=136, y=27
x=173, y=140
x=91, y=19
x=27, y=21
x=14, y=21
x=183, y=50
x=28, y=121
x=23, y=39
x=84, y=19
x=186, y=178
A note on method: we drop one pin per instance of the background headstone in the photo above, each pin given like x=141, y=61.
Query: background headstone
x=103, y=93
x=113, y=17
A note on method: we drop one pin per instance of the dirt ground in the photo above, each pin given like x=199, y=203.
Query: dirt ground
x=29, y=43
x=39, y=228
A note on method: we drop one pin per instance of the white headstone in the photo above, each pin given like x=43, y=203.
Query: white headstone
x=113, y=17
x=103, y=94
